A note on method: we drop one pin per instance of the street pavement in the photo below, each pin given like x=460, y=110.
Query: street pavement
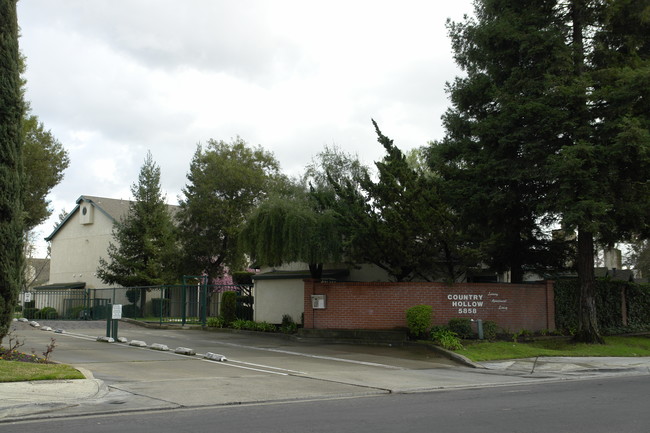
x=122, y=377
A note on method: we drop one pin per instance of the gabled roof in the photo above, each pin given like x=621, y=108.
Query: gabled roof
x=114, y=209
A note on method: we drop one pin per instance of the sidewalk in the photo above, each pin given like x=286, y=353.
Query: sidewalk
x=587, y=366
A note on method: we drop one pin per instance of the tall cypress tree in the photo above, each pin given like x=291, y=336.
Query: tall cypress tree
x=11, y=169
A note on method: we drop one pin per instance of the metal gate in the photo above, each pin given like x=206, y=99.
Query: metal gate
x=62, y=304
x=190, y=303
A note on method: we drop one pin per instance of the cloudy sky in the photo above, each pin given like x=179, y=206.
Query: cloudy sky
x=113, y=79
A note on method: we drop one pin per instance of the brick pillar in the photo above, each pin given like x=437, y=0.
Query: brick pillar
x=550, y=305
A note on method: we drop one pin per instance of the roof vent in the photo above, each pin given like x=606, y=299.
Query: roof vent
x=86, y=213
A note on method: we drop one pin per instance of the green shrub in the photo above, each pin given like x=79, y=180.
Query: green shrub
x=229, y=306
x=288, y=326
x=47, y=313
x=216, y=322
x=462, y=327
x=18, y=309
x=76, y=313
x=130, y=311
x=522, y=335
x=490, y=330
x=264, y=327
x=133, y=295
x=244, y=307
x=238, y=324
x=242, y=277
x=160, y=306
x=30, y=313
x=249, y=325
x=445, y=338
x=418, y=319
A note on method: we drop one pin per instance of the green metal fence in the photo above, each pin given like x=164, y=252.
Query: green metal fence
x=182, y=304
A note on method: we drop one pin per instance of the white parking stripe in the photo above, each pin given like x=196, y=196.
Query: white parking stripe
x=230, y=364
x=266, y=366
x=307, y=355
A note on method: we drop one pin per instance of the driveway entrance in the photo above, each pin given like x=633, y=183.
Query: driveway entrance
x=262, y=368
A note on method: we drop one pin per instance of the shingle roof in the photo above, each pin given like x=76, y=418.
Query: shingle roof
x=113, y=208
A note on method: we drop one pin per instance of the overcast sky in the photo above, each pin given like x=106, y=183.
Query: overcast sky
x=113, y=79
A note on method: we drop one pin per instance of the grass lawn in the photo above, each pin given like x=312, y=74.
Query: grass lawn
x=17, y=371
x=615, y=346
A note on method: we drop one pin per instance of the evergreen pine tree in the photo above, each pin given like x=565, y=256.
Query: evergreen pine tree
x=551, y=124
x=142, y=253
x=397, y=222
x=499, y=130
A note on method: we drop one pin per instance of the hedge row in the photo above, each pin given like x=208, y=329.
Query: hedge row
x=608, y=303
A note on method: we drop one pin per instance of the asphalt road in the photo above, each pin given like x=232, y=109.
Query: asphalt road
x=597, y=406
x=270, y=383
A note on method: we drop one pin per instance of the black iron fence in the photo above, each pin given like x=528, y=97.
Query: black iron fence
x=183, y=304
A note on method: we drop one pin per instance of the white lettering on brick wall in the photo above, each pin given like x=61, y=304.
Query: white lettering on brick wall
x=469, y=303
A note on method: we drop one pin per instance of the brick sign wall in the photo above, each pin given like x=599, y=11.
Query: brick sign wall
x=346, y=305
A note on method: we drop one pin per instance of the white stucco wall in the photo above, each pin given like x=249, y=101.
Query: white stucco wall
x=76, y=249
x=275, y=298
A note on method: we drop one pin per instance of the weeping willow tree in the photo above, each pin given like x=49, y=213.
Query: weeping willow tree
x=283, y=230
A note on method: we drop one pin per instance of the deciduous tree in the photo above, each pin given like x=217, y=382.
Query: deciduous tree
x=45, y=162
x=225, y=182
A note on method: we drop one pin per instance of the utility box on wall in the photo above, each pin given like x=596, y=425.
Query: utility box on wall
x=318, y=302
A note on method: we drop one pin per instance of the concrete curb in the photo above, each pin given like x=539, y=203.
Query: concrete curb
x=448, y=354
x=38, y=397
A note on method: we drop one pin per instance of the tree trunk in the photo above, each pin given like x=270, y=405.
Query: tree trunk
x=143, y=301
x=588, y=331
x=316, y=270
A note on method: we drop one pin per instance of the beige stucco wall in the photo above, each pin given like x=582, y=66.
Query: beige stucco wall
x=275, y=298
x=77, y=247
